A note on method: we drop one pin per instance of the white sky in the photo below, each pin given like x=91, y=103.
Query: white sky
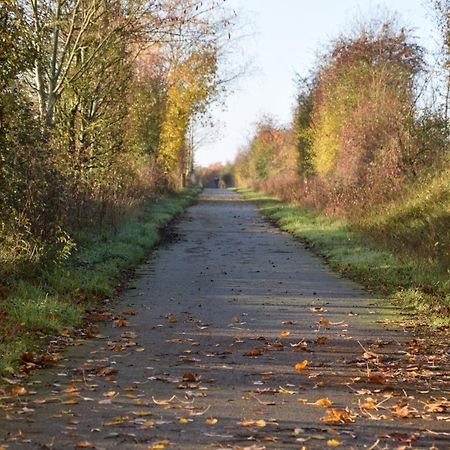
x=285, y=38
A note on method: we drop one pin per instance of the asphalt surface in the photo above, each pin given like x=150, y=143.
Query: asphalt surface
x=201, y=349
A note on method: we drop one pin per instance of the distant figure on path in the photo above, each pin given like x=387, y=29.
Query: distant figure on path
x=216, y=182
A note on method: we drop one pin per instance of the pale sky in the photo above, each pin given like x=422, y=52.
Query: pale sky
x=285, y=38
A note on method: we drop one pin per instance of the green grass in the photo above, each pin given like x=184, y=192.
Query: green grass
x=425, y=287
x=56, y=301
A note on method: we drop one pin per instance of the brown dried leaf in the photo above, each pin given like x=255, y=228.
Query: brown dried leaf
x=338, y=416
x=254, y=352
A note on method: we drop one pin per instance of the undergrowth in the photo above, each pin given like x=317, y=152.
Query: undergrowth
x=55, y=302
x=424, y=286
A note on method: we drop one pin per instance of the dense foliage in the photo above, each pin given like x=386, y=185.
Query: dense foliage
x=96, y=101
x=369, y=137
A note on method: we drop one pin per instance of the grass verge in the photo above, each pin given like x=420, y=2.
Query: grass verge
x=423, y=287
x=56, y=302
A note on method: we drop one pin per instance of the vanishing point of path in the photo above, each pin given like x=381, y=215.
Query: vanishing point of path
x=235, y=336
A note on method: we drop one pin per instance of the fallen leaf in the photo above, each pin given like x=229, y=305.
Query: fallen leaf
x=211, y=421
x=377, y=378
x=160, y=445
x=189, y=377
x=129, y=312
x=109, y=394
x=84, y=444
x=18, y=390
x=252, y=423
x=325, y=402
x=338, y=416
x=147, y=425
x=321, y=340
x=183, y=420
x=121, y=322
x=129, y=335
x=324, y=321
x=335, y=442
x=301, y=365
x=141, y=413
x=369, y=404
x=403, y=411
x=106, y=371
x=285, y=333
x=254, y=352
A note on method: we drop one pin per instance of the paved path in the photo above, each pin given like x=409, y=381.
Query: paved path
x=223, y=314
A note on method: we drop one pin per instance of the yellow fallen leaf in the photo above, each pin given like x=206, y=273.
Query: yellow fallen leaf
x=109, y=394
x=338, y=416
x=235, y=319
x=71, y=388
x=211, y=421
x=147, y=424
x=369, y=404
x=252, y=423
x=159, y=445
x=335, y=442
x=70, y=402
x=285, y=333
x=183, y=420
x=84, y=444
x=301, y=365
x=141, y=413
x=325, y=402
